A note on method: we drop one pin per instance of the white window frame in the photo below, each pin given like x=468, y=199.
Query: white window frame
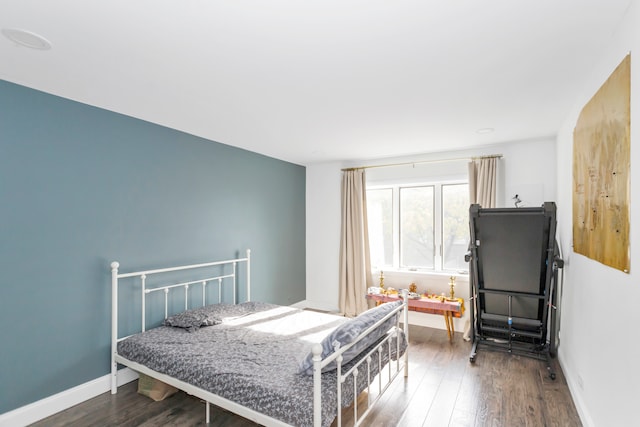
x=437, y=226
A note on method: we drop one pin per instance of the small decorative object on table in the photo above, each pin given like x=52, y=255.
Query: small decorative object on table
x=413, y=288
x=452, y=284
x=381, y=280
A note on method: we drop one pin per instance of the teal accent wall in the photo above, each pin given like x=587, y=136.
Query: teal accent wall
x=81, y=187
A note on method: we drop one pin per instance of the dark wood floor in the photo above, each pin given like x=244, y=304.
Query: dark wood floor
x=443, y=389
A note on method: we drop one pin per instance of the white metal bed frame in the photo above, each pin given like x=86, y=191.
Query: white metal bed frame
x=401, y=363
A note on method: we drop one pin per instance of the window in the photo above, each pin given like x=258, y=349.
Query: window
x=419, y=227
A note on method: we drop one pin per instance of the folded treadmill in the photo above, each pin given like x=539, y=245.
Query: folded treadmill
x=514, y=259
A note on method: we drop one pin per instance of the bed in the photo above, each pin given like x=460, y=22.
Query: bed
x=275, y=365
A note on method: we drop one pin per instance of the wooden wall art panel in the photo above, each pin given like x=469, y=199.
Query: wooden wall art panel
x=601, y=173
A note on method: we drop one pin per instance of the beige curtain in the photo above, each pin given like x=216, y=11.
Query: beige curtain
x=482, y=190
x=482, y=181
x=355, y=263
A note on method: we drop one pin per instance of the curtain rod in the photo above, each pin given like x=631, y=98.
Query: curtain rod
x=497, y=156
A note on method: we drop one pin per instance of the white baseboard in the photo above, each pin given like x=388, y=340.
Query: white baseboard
x=576, y=395
x=435, y=321
x=300, y=304
x=315, y=305
x=48, y=406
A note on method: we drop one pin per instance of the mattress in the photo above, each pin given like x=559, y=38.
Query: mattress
x=251, y=355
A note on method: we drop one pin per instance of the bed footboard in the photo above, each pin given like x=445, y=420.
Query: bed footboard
x=386, y=373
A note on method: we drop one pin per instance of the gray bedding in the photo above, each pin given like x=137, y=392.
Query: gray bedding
x=253, y=356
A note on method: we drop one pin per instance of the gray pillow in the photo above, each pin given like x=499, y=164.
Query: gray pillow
x=213, y=314
x=192, y=320
x=347, y=332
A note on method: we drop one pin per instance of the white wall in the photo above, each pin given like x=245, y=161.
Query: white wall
x=529, y=172
x=598, y=348
x=323, y=235
x=528, y=169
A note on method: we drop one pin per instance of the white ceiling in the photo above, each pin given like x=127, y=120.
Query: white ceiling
x=319, y=80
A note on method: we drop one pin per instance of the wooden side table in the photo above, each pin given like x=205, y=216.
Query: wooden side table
x=449, y=309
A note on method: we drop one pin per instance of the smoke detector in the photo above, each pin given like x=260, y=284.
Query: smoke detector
x=26, y=38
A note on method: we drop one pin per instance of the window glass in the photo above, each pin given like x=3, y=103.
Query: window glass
x=455, y=226
x=416, y=227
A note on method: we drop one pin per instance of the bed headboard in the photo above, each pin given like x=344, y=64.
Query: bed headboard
x=189, y=279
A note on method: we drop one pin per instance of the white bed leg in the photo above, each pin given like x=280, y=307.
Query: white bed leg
x=405, y=297
x=317, y=385
x=208, y=412
x=114, y=377
x=114, y=326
